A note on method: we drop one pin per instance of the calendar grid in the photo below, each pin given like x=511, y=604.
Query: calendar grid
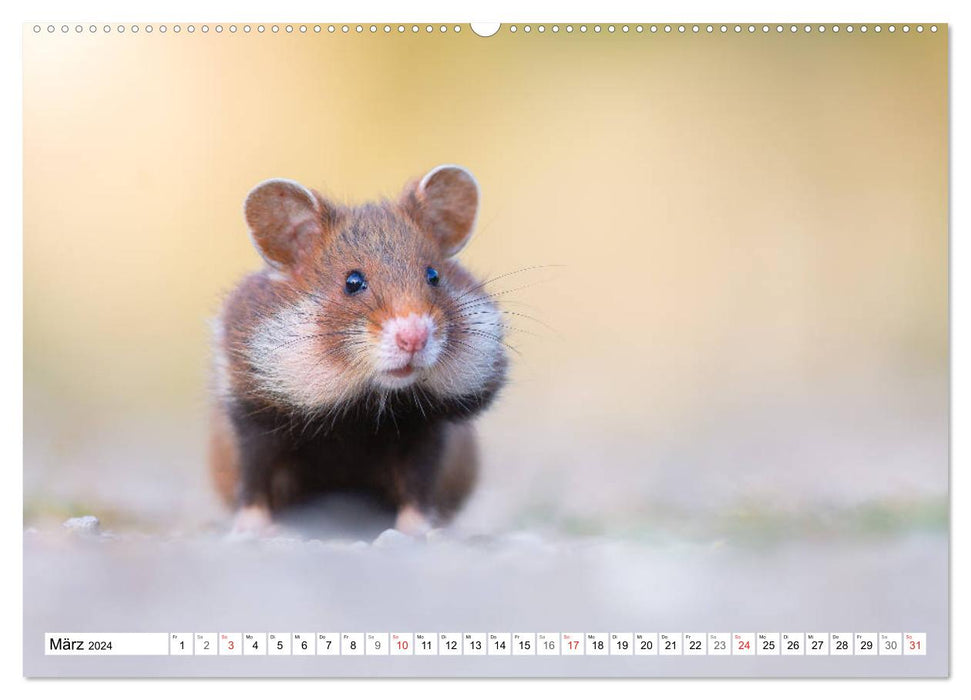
x=573, y=644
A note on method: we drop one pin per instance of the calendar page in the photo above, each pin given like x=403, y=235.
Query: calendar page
x=485, y=350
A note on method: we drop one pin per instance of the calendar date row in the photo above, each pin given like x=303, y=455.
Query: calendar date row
x=489, y=644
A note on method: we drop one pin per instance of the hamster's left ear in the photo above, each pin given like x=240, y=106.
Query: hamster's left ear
x=445, y=203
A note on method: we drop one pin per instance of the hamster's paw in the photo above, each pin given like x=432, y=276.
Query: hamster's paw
x=253, y=522
x=412, y=521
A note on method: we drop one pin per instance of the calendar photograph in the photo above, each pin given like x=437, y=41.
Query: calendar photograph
x=467, y=350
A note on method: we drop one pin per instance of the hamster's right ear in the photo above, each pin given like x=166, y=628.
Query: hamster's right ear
x=285, y=219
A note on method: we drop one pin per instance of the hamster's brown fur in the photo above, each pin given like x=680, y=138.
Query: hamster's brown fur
x=355, y=359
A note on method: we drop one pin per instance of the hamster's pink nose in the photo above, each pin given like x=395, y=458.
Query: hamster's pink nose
x=411, y=335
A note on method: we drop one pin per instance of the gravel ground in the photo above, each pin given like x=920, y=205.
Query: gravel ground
x=84, y=579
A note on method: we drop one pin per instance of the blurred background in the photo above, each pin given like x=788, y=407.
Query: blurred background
x=745, y=334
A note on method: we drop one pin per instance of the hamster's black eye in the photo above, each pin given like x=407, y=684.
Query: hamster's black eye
x=431, y=274
x=355, y=282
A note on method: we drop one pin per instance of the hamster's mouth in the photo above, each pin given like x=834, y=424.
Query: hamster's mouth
x=401, y=372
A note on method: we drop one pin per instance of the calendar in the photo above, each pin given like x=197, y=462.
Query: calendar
x=427, y=348
x=573, y=644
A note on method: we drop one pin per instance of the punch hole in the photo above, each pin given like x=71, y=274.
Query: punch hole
x=485, y=29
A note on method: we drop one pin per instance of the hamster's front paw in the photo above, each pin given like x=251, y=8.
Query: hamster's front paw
x=412, y=521
x=253, y=522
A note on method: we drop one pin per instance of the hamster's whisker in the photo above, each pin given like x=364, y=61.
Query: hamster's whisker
x=478, y=325
x=503, y=276
x=490, y=336
x=512, y=313
x=313, y=336
x=469, y=346
x=495, y=295
x=421, y=407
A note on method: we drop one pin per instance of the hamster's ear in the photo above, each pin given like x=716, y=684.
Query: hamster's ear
x=284, y=218
x=445, y=203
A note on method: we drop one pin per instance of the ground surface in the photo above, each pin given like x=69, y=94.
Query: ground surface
x=102, y=581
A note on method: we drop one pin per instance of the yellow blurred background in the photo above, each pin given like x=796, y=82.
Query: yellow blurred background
x=748, y=313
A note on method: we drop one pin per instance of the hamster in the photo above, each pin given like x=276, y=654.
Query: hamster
x=355, y=359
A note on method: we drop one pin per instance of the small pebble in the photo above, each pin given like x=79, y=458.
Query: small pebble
x=392, y=538
x=438, y=535
x=85, y=525
x=282, y=542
